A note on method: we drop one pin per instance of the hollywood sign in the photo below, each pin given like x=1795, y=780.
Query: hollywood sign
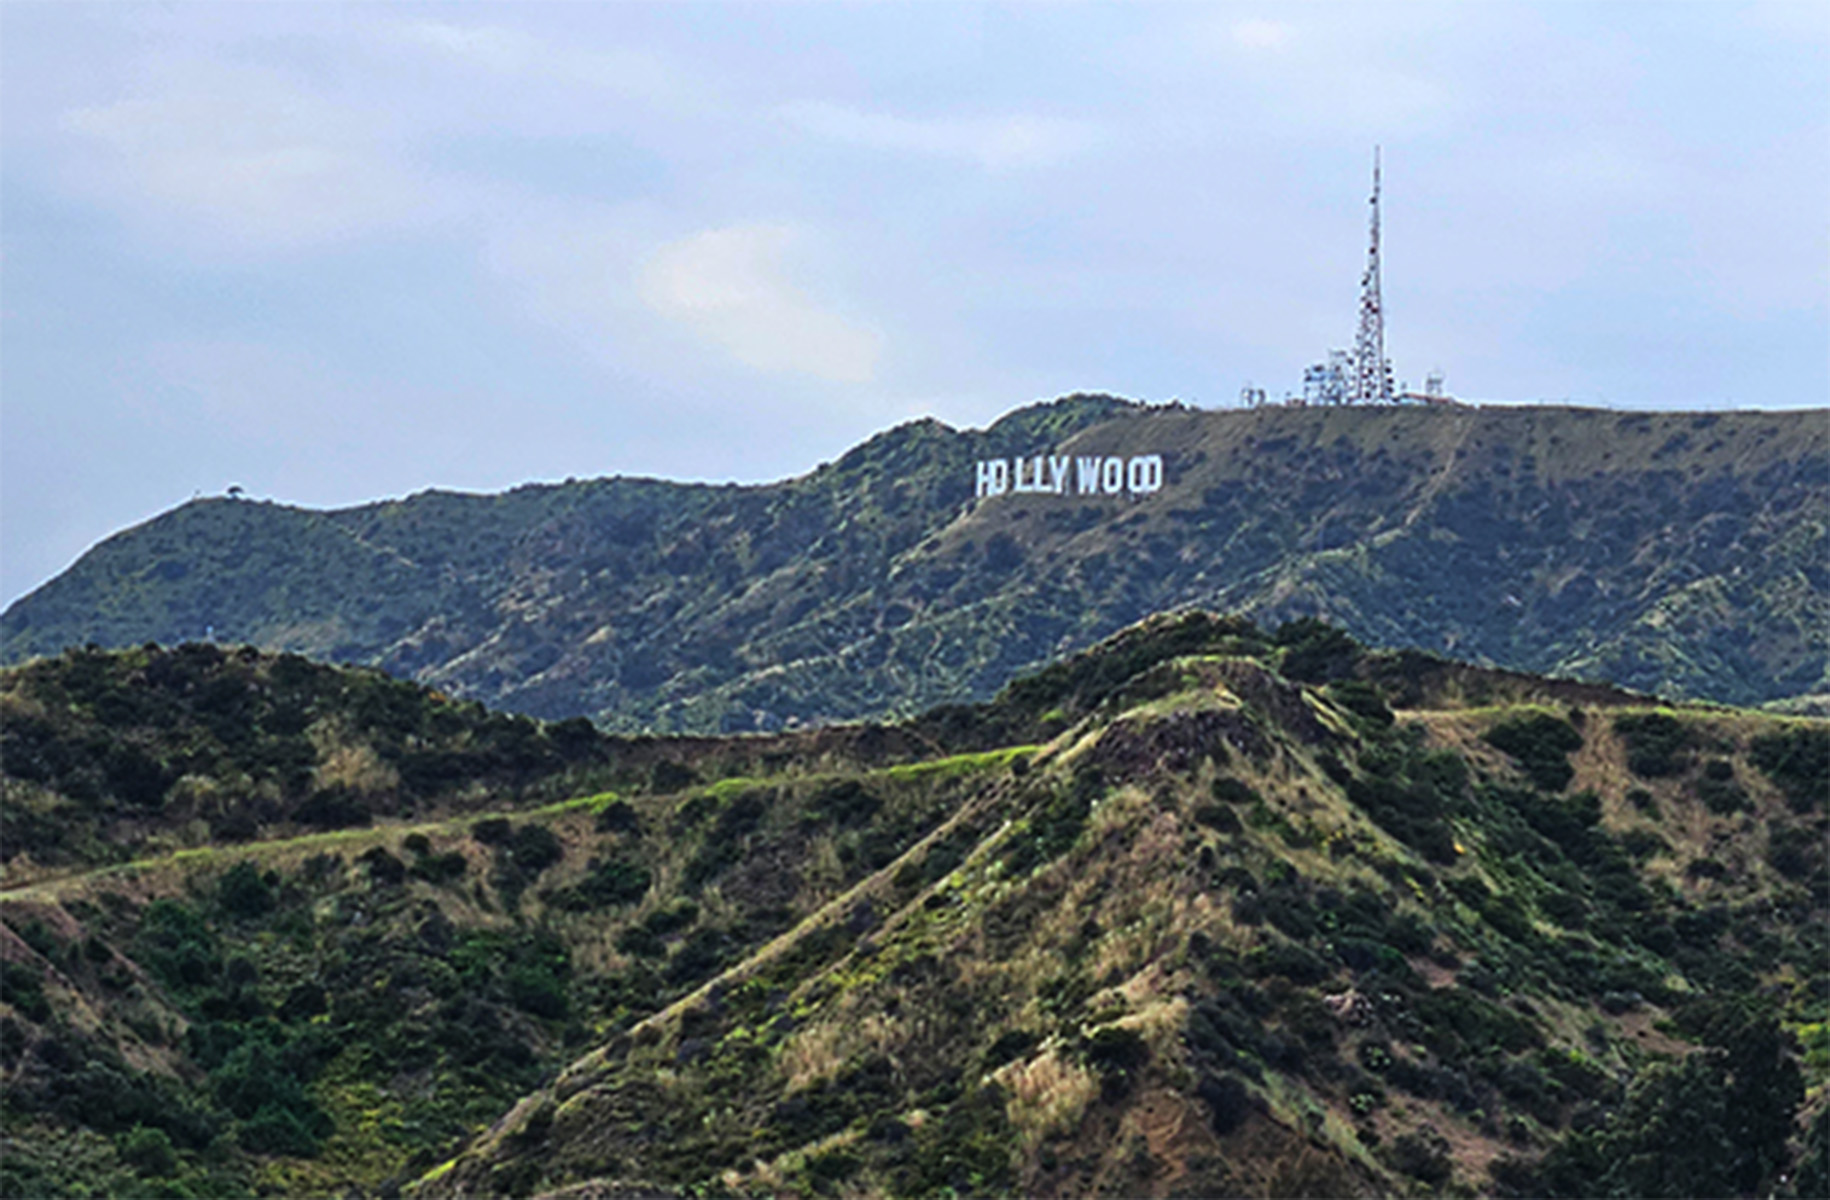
x=1051, y=474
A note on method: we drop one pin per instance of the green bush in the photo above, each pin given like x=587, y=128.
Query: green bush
x=1541, y=744
x=618, y=816
x=1657, y=745
x=724, y=842
x=176, y=944
x=243, y=892
x=1363, y=700
x=440, y=868
x=383, y=867
x=1315, y=651
x=23, y=988
x=334, y=808
x=1422, y=1155
x=607, y=882
x=1718, y=790
x=148, y=1151
x=1228, y=790
x=1795, y=852
x=844, y=803
x=1715, y=1124
x=535, y=989
x=1798, y=760
x=266, y=1094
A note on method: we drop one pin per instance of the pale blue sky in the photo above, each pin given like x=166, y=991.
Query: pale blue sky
x=338, y=252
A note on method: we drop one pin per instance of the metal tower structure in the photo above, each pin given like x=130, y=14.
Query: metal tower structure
x=1372, y=373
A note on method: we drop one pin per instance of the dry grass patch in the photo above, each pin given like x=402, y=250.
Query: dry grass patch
x=812, y=1055
x=1047, y=1095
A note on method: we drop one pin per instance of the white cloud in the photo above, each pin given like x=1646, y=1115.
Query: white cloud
x=1259, y=34
x=1345, y=72
x=490, y=46
x=997, y=143
x=625, y=288
x=637, y=74
x=252, y=158
x=729, y=287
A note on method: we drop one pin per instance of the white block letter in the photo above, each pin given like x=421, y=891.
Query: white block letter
x=1086, y=472
x=1057, y=474
x=993, y=476
x=1146, y=474
x=1112, y=476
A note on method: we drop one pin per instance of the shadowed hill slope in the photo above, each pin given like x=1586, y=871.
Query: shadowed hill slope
x=1677, y=553
x=1205, y=910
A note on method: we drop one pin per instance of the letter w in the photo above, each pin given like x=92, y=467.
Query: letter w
x=1086, y=476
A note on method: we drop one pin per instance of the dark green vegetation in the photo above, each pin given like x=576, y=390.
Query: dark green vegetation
x=1206, y=910
x=1677, y=553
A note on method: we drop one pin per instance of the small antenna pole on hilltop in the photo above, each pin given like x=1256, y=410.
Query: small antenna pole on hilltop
x=1372, y=380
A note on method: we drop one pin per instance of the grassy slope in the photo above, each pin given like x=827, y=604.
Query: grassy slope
x=1677, y=553
x=1198, y=927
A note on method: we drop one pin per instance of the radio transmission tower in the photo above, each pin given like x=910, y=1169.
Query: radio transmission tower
x=1372, y=379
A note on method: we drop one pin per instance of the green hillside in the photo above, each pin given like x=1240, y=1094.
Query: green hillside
x=1677, y=553
x=1208, y=909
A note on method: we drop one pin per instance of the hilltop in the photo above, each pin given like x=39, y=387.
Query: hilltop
x=1677, y=553
x=1207, y=909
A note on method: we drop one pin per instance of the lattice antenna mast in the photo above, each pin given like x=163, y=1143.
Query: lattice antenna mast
x=1372, y=382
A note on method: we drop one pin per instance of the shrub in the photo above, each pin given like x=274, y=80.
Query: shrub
x=723, y=844
x=618, y=816
x=1229, y=1102
x=492, y=831
x=1228, y=790
x=1541, y=744
x=1657, y=744
x=1718, y=790
x=333, y=808
x=1798, y=760
x=1011, y=1045
x=242, y=892
x=176, y=944
x=1363, y=700
x=23, y=988
x=383, y=867
x=1422, y=1155
x=533, y=988
x=608, y=882
x=669, y=776
x=441, y=868
x=641, y=941
x=535, y=848
x=148, y=1151
x=279, y=1130
x=1219, y=818
x=1113, y=1048
x=1794, y=852
x=844, y=803
x=831, y=1166
x=1315, y=651
x=1298, y=964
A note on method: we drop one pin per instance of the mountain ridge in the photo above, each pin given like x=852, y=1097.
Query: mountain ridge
x=1206, y=909
x=1679, y=553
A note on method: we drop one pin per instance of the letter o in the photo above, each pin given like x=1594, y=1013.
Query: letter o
x=1112, y=476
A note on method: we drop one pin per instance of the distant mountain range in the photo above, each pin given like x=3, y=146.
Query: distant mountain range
x=1686, y=554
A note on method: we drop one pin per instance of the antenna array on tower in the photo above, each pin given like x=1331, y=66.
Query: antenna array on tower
x=1362, y=375
x=1372, y=378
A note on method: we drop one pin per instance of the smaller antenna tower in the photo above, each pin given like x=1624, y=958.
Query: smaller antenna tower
x=1372, y=381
